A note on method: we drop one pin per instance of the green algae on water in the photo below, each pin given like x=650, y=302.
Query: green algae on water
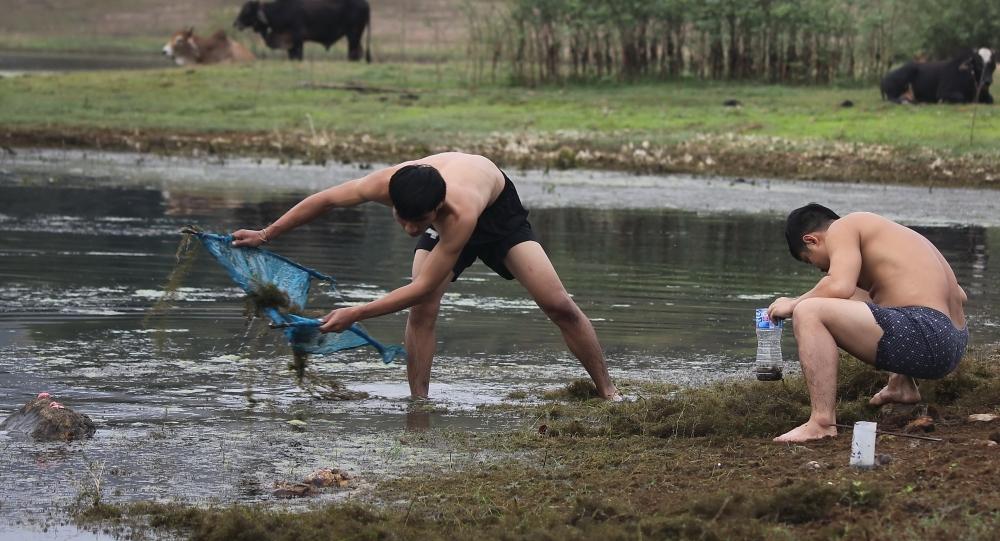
x=268, y=295
x=184, y=256
x=327, y=388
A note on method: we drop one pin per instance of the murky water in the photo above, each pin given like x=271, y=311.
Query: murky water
x=13, y=63
x=192, y=405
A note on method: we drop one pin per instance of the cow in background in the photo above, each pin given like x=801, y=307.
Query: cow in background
x=288, y=24
x=963, y=79
x=186, y=48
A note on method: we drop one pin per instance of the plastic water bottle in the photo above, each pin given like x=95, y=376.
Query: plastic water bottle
x=768, y=365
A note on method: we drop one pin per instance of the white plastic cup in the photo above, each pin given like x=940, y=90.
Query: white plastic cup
x=863, y=445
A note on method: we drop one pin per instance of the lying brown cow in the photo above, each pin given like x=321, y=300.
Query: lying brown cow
x=186, y=48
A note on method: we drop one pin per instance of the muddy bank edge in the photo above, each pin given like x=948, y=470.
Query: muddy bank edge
x=726, y=155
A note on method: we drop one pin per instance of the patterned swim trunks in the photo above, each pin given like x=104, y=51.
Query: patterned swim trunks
x=918, y=341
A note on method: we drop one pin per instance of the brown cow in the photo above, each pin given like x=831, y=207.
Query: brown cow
x=186, y=48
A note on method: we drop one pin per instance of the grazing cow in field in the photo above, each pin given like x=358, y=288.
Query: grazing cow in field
x=288, y=24
x=186, y=48
x=963, y=79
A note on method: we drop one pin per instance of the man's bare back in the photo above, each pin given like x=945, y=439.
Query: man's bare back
x=899, y=267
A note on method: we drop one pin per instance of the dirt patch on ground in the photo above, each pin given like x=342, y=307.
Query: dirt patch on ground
x=729, y=155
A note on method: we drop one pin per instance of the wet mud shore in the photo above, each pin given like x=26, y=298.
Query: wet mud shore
x=692, y=463
x=729, y=155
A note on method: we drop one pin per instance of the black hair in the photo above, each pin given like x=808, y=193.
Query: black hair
x=416, y=190
x=804, y=220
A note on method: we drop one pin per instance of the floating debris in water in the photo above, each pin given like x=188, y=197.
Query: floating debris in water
x=328, y=477
x=321, y=478
x=45, y=419
x=284, y=489
x=326, y=388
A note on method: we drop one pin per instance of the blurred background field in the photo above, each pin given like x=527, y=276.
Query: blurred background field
x=557, y=83
x=420, y=28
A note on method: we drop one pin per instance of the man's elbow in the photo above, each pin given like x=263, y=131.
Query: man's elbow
x=839, y=290
x=422, y=297
x=423, y=293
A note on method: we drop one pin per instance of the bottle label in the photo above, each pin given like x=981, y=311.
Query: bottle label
x=764, y=323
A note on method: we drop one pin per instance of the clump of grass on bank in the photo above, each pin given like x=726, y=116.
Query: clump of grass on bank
x=749, y=408
x=249, y=522
x=580, y=389
x=717, y=515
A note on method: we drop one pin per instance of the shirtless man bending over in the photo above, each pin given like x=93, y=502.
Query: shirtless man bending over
x=888, y=298
x=462, y=207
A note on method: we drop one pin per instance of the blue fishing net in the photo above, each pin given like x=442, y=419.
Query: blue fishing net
x=263, y=273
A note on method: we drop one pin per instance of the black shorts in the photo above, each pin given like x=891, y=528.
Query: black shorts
x=501, y=226
x=918, y=341
x=492, y=253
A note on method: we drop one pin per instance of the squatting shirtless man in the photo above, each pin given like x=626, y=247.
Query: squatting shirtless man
x=889, y=298
x=462, y=207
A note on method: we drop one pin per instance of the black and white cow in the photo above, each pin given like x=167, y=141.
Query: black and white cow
x=963, y=79
x=288, y=24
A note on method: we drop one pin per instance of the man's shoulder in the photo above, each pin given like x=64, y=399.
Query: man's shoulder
x=862, y=216
x=444, y=158
x=859, y=221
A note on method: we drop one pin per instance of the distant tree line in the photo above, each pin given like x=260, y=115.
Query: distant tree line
x=779, y=41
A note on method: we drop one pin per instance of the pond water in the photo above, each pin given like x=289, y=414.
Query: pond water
x=191, y=404
x=20, y=62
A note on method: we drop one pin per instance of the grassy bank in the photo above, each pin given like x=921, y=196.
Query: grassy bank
x=335, y=110
x=678, y=464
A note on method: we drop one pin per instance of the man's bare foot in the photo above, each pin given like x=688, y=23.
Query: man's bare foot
x=612, y=395
x=899, y=390
x=807, y=432
x=619, y=397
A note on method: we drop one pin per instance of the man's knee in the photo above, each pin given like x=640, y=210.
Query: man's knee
x=809, y=308
x=560, y=309
x=807, y=313
x=424, y=315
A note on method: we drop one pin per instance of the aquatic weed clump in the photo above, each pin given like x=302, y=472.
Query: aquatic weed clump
x=748, y=408
x=268, y=295
x=580, y=389
x=184, y=257
x=726, y=409
x=808, y=501
x=973, y=388
x=798, y=503
x=591, y=509
x=348, y=521
x=326, y=388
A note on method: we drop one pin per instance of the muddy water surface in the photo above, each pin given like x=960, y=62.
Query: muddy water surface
x=13, y=63
x=192, y=404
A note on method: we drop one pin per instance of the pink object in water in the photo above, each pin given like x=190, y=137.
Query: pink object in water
x=44, y=395
x=56, y=405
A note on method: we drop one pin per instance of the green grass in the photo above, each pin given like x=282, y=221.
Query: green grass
x=92, y=45
x=268, y=96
